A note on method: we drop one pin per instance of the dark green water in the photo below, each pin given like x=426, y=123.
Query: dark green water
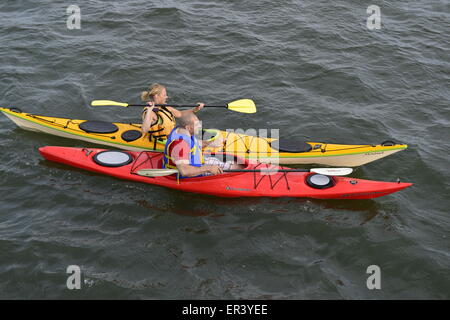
x=315, y=72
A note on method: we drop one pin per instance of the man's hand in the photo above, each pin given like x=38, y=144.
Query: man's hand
x=213, y=169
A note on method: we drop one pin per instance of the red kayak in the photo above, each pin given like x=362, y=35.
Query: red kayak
x=126, y=164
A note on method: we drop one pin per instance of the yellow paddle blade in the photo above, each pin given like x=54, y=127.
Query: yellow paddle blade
x=242, y=105
x=97, y=103
x=156, y=172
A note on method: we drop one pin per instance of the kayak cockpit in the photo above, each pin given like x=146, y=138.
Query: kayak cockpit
x=154, y=161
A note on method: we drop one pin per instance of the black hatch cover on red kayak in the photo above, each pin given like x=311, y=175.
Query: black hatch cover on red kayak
x=98, y=127
x=131, y=135
x=319, y=181
x=112, y=158
x=287, y=145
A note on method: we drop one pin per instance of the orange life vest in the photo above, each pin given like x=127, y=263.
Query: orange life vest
x=164, y=124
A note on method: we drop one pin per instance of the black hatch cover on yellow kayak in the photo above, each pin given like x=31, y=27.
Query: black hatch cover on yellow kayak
x=287, y=145
x=98, y=127
x=131, y=135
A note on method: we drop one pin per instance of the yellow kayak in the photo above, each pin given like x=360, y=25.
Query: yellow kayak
x=128, y=136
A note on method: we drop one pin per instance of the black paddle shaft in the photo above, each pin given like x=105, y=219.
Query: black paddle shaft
x=267, y=170
x=175, y=105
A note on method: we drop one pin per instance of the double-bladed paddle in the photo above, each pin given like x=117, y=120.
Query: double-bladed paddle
x=242, y=105
x=324, y=171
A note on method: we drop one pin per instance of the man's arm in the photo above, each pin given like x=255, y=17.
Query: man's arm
x=179, y=151
x=187, y=170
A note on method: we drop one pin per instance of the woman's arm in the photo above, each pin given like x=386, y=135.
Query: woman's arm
x=148, y=119
x=177, y=114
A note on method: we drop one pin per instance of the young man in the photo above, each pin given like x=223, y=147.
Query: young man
x=183, y=151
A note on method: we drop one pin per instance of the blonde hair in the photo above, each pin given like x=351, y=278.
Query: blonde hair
x=153, y=90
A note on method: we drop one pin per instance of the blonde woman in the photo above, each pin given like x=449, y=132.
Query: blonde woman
x=160, y=121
